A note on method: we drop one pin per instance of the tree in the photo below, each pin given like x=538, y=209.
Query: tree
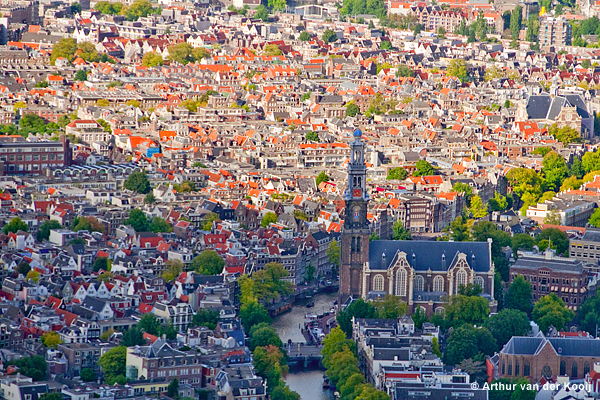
x=357, y=309
x=588, y=314
x=158, y=225
x=333, y=254
x=173, y=269
x=105, y=277
x=208, y=220
x=554, y=169
x=44, y=230
x=591, y=162
x=516, y=18
x=133, y=337
x=399, y=233
x=458, y=68
x=33, y=276
x=312, y=137
x=15, y=225
x=329, y=36
x=571, y=183
x=149, y=199
x=133, y=103
x=385, y=45
x=423, y=168
x=549, y=311
x=137, y=219
x=467, y=310
x=519, y=295
x=565, y=134
x=435, y=346
x=173, y=389
x=106, y=7
x=268, y=219
x=309, y=274
x=263, y=335
x=553, y=218
x=506, y=324
x=397, y=173
x=65, y=48
x=283, y=392
x=390, y=307
x=90, y=224
x=100, y=263
x=305, y=36
x=138, y=182
x=404, y=71
x=34, y=367
x=88, y=375
x=81, y=75
x=595, y=218
x=476, y=370
x=498, y=202
x=418, y=28
x=269, y=363
x=558, y=239
x=465, y=189
x=262, y=13
x=277, y=5
x=272, y=50
x=51, y=339
x=253, y=313
x=576, y=168
x=139, y=8
x=322, y=177
x=467, y=342
x=209, y=262
x=23, y=268
x=522, y=241
x=485, y=230
x=477, y=209
x=113, y=364
x=352, y=110
x=206, y=317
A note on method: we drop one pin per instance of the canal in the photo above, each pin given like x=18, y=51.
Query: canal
x=308, y=383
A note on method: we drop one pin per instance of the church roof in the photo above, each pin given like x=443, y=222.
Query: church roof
x=437, y=256
x=568, y=347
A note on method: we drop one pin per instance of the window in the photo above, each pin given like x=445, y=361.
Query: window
x=479, y=281
x=574, y=370
x=401, y=282
x=517, y=368
x=509, y=367
x=438, y=284
x=526, y=368
x=419, y=283
x=461, y=279
x=503, y=367
x=586, y=368
x=378, y=283
x=563, y=368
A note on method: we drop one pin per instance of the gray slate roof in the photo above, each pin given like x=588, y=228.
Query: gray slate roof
x=437, y=256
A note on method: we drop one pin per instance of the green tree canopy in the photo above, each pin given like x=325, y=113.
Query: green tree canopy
x=137, y=219
x=519, y=294
x=253, y=313
x=467, y=310
x=478, y=209
x=390, y=307
x=357, y=309
x=209, y=262
x=322, y=177
x=549, y=311
x=352, y=110
x=466, y=342
x=34, y=367
x=397, y=173
x=423, y=168
x=152, y=59
x=506, y=324
x=329, y=36
x=305, y=36
x=133, y=336
x=113, y=364
x=268, y=219
x=44, y=230
x=16, y=224
x=458, y=68
x=399, y=232
x=138, y=182
x=263, y=335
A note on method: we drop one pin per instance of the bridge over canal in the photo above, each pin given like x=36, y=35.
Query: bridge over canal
x=304, y=354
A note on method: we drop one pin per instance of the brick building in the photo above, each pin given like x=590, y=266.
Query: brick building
x=20, y=157
x=547, y=274
x=539, y=356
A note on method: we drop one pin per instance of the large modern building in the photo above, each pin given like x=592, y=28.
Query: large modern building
x=554, y=31
x=20, y=157
x=587, y=249
x=422, y=273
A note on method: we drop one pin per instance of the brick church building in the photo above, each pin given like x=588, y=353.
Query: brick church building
x=548, y=357
x=423, y=273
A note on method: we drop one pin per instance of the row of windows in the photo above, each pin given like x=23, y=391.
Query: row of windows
x=419, y=282
x=34, y=157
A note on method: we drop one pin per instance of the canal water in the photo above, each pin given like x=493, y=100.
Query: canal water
x=308, y=383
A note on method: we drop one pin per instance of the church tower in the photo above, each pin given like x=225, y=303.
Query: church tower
x=355, y=232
